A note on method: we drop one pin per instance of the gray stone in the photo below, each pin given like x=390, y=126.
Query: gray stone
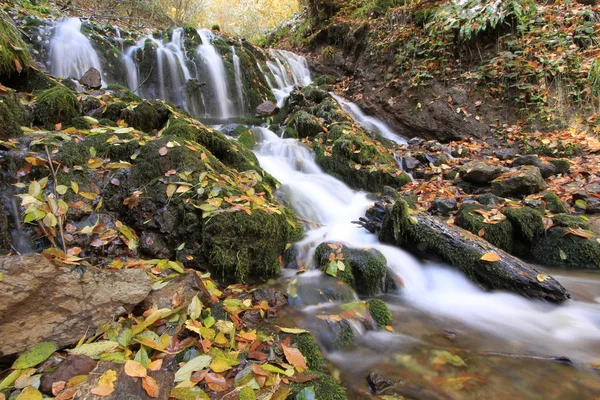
x=91, y=79
x=444, y=206
x=524, y=181
x=546, y=169
x=409, y=163
x=490, y=200
x=505, y=154
x=42, y=302
x=267, y=109
x=480, y=173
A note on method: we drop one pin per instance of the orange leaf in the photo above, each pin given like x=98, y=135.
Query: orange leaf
x=150, y=386
x=106, y=384
x=18, y=66
x=155, y=365
x=135, y=369
x=295, y=357
x=491, y=257
x=216, y=382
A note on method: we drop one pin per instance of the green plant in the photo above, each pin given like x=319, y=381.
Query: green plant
x=328, y=53
x=594, y=81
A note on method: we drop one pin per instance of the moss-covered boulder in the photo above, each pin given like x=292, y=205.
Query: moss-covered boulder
x=363, y=269
x=562, y=247
x=308, y=346
x=113, y=111
x=11, y=115
x=380, y=312
x=524, y=181
x=527, y=222
x=480, y=221
x=122, y=93
x=305, y=124
x=146, y=116
x=56, y=105
x=14, y=57
x=324, y=387
x=554, y=203
x=570, y=221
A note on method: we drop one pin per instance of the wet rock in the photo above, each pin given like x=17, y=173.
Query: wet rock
x=313, y=290
x=444, y=206
x=92, y=79
x=536, y=204
x=178, y=292
x=546, y=169
x=505, y=154
x=561, y=166
x=274, y=298
x=554, y=204
x=153, y=245
x=480, y=173
x=410, y=163
x=489, y=200
x=364, y=269
x=267, y=109
x=433, y=146
x=416, y=141
x=11, y=115
x=126, y=387
x=559, y=248
x=378, y=384
x=90, y=106
x=69, y=302
x=526, y=180
x=56, y=105
x=73, y=365
x=498, y=232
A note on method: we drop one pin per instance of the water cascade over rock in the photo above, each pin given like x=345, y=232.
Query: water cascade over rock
x=71, y=51
x=238, y=80
x=216, y=71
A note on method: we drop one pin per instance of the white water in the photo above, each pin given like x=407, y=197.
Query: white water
x=288, y=70
x=567, y=330
x=218, y=77
x=72, y=54
x=238, y=81
x=368, y=122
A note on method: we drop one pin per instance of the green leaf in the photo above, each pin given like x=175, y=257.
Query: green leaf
x=61, y=189
x=445, y=357
x=29, y=393
x=35, y=355
x=125, y=337
x=10, y=379
x=308, y=393
x=195, y=364
x=209, y=321
x=142, y=357
x=195, y=308
x=95, y=349
x=332, y=268
x=562, y=254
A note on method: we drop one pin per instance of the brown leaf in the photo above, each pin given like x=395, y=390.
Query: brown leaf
x=135, y=369
x=58, y=387
x=299, y=378
x=18, y=66
x=491, y=257
x=294, y=357
x=67, y=394
x=216, y=382
x=150, y=386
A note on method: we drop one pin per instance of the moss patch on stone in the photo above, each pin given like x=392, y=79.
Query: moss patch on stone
x=11, y=115
x=554, y=203
x=307, y=126
x=56, y=105
x=308, y=346
x=570, y=221
x=527, y=222
x=13, y=51
x=380, y=312
x=500, y=234
x=559, y=248
x=325, y=387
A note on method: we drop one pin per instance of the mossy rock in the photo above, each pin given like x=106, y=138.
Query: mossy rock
x=308, y=346
x=144, y=117
x=500, y=234
x=561, y=166
x=123, y=93
x=80, y=123
x=360, y=164
x=238, y=245
x=307, y=125
x=315, y=94
x=365, y=269
x=247, y=139
x=527, y=222
x=554, y=203
x=559, y=248
x=113, y=111
x=380, y=312
x=56, y=105
x=11, y=115
x=14, y=56
x=325, y=387
x=570, y=221
x=107, y=122
x=323, y=80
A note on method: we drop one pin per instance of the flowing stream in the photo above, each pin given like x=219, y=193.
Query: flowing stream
x=72, y=53
x=216, y=69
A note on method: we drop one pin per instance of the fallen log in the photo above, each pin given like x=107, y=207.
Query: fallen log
x=429, y=236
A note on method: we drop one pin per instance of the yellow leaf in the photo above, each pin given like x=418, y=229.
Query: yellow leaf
x=29, y=393
x=171, y=190
x=491, y=257
x=75, y=187
x=219, y=364
x=89, y=195
x=135, y=369
x=61, y=189
x=106, y=384
x=543, y=277
x=94, y=163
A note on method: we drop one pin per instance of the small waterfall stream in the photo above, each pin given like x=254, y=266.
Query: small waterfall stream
x=216, y=70
x=238, y=81
x=72, y=53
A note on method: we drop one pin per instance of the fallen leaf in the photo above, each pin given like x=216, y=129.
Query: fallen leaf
x=135, y=369
x=106, y=384
x=491, y=257
x=542, y=277
x=294, y=357
x=29, y=393
x=34, y=356
x=150, y=386
x=216, y=382
x=163, y=151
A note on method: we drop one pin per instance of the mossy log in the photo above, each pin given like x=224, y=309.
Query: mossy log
x=430, y=236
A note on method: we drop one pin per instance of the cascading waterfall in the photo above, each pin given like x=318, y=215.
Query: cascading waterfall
x=238, y=80
x=216, y=70
x=133, y=74
x=288, y=69
x=331, y=205
x=368, y=122
x=72, y=54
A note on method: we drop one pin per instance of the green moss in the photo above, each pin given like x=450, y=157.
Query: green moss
x=380, y=312
x=527, y=222
x=325, y=387
x=56, y=105
x=290, y=133
x=80, y=123
x=570, y=221
x=562, y=166
x=554, y=204
x=247, y=393
x=247, y=139
x=315, y=94
x=365, y=269
x=123, y=93
x=11, y=115
x=558, y=248
x=500, y=234
x=113, y=111
x=308, y=346
x=307, y=126
x=238, y=245
x=13, y=51
x=323, y=80
x=143, y=117
x=107, y=122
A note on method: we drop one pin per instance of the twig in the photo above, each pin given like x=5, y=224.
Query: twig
x=60, y=217
x=145, y=80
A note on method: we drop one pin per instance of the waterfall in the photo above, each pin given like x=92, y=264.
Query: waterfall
x=368, y=122
x=331, y=206
x=133, y=74
x=238, y=81
x=72, y=54
x=216, y=70
x=288, y=69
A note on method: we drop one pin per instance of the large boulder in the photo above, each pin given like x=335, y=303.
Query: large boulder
x=92, y=79
x=521, y=182
x=267, y=109
x=42, y=302
x=480, y=173
x=57, y=105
